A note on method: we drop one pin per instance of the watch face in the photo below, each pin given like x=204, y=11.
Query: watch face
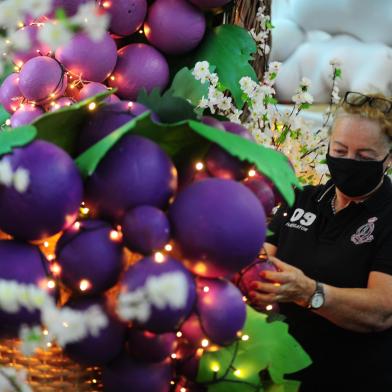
x=317, y=301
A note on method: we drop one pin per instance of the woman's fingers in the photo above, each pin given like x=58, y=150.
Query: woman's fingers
x=281, y=265
x=279, y=277
x=266, y=287
x=262, y=299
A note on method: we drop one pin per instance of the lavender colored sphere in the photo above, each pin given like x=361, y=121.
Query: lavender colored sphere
x=163, y=318
x=126, y=16
x=10, y=94
x=174, y=35
x=69, y=6
x=91, y=60
x=135, y=172
x=24, y=264
x=192, y=330
x=213, y=122
x=94, y=88
x=263, y=191
x=53, y=196
x=60, y=103
x=36, y=47
x=100, y=349
x=42, y=79
x=107, y=119
x=149, y=347
x=139, y=67
x=25, y=115
x=238, y=129
x=208, y=4
x=219, y=225
x=221, y=310
x=146, y=229
x=126, y=374
x=90, y=253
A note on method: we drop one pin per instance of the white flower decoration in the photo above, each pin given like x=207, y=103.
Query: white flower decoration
x=21, y=180
x=54, y=34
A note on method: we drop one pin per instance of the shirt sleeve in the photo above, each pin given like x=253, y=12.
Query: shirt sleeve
x=383, y=259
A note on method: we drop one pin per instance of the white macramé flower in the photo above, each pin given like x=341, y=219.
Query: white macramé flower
x=11, y=13
x=215, y=96
x=274, y=66
x=335, y=62
x=226, y=104
x=203, y=104
x=305, y=82
x=93, y=22
x=54, y=34
x=214, y=79
x=202, y=71
x=11, y=377
x=248, y=86
x=235, y=116
x=37, y=8
x=21, y=180
x=6, y=173
x=302, y=97
x=20, y=39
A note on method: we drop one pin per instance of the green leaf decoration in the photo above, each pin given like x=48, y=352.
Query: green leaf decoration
x=4, y=115
x=170, y=109
x=186, y=86
x=229, y=48
x=269, y=347
x=16, y=137
x=182, y=139
x=62, y=127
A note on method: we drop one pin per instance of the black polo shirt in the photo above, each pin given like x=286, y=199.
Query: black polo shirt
x=340, y=250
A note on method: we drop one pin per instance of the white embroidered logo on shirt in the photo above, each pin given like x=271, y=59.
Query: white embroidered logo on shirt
x=304, y=219
x=364, y=233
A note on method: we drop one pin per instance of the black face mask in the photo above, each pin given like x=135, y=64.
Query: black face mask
x=355, y=178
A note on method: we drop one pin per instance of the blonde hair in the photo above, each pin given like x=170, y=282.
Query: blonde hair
x=369, y=112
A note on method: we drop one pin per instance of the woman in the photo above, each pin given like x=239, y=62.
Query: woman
x=333, y=250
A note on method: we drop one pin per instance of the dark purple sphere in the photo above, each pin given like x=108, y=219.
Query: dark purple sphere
x=93, y=88
x=149, y=347
x=219, y=225
x=238, y=129
x=52, y=199
x=146, y=229
x=174, y=26
x=221, y=310
x=192, y=331
x=100, y=349
x=163, y=318
x=10, y=94
x=139, y=66
x=263, y=191
x=22, y=263
x=126, y=16
x=126, y=374
x=69, y=6
x=207, y=4
x=90, y=253
x=91, y=60
x=60, y=103
x=25, y=115
x=213, y=122
x=135, y=172
x=107, y=119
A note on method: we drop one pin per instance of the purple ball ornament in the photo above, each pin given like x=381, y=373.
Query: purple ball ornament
x=149, y=347
x=69, y=6
x=107, y=119
x=126, y=16
x=90, y=256
x=213, y=122
x=100, y=349
x=174, y=35
x=219, y=226
x=139, y=66
x=10, y=94
x=126, y=374
x=23, y=263
x=263, y=191
x=145, y=229
x=208, y=4
x=41, y=79
x=25, y=115
x=35, y=49
x=238, y=129
x=52, y=198
x=221, y=310
x=94, y=88
x=192, y=331
x=60, y=103
x=88, y=59
x=142, y=181
x=164, y=316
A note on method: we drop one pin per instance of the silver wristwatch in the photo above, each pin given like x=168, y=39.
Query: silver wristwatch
x=318, y=298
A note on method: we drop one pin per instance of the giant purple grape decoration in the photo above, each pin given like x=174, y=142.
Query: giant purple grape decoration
x=142, y=181
x=10, y=94
x=26, y=114
x=219, y=226
x=207, y=4
x=53, y=196
x=69, y=6
x=94, y=88
x=24, y=264
x=139, y=67
x=174, y=35
x=262, y=189
x=88, y=252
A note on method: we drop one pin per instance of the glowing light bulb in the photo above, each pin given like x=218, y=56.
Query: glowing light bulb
x=252, y=173
x=245, y=338
x=237, y=373
x=8, y=122
x=168, y=248
x=55, y=269
x=51, y=284
x=92, y=106
x=45, y=332
x=269, y=307
x=115, y=235
x=140, y=31
x=179, y=334
x=183, y=389
x=206, y=289
x=94, y=381
x=172, y=382
x=106, y=4
x=51, y=257
x=244, y=298
x=174, y=356
x=49, y=344
x=112, y=77
x=159, y=257
x=84, y=285
x=199, y=166
x=65, y=324
x=84, y=210
x=205, y=343
x=215, y=368
x=77, y=225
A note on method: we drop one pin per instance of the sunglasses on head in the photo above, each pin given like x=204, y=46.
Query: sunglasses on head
x=358, y=99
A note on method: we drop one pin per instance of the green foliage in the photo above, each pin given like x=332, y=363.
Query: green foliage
x=270, y=351
x=16, y=137
x=4, y=115
x=338, y=73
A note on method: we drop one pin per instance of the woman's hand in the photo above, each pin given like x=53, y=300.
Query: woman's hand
x=289, y=284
